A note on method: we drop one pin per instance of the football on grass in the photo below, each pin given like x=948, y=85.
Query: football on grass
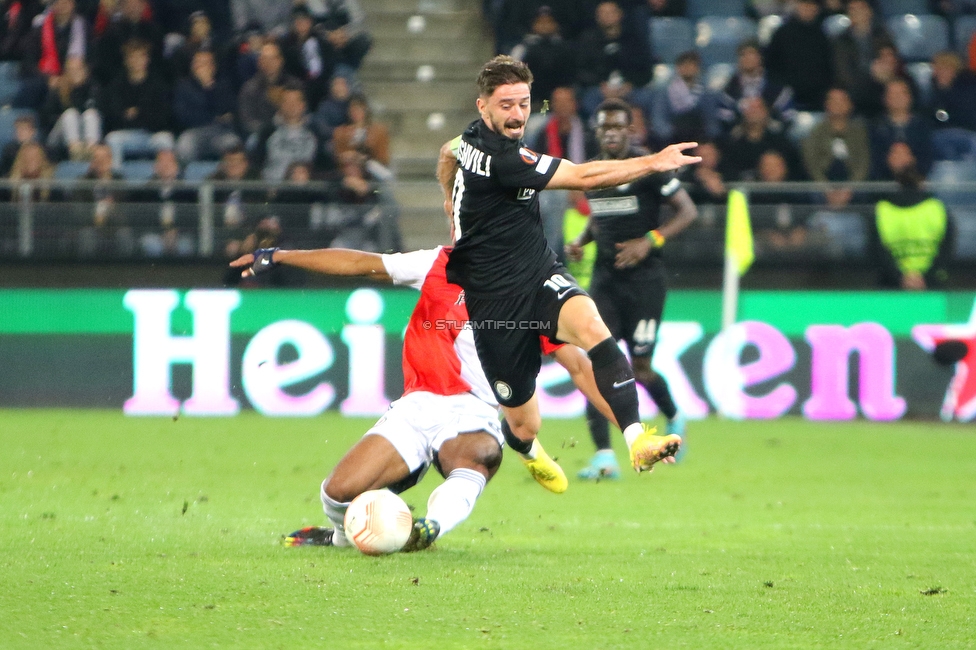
x=378, y=522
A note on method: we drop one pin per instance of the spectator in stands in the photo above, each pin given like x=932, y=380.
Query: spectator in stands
x=270, y=16
x=18, y=17
x=614, y=61
x=856, y=48
x=172, y=237
x=204, y=111
x=915, y=234
x=233, y=201
x=837, y=149
x=137, y=107
x=61, y=33
x=31, y=164
x=108, y=233
x=900, y=124
x=705, y=179
x=289, y=138
x=751, y=80
x=260, y=97
x=953, y=108
x=302, y=51
x=333, y=111
x=686, y=110
x=134, y=22
x=763, y=8
x=358, y=218
x=550, y=58
x=362, y=134
x=756, y=134
x=781, y=233
x=800, y=56
x=564, y=135
x=868, y=94
x=71, y=113
x=343, y=28
x=199, y=37
x=25, y=130
x=665, y=8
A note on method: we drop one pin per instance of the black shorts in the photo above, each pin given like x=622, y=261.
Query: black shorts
x=507, y=330
x=631, y=303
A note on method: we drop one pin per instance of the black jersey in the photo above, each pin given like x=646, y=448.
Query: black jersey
x=501, y=248
x=627, y=212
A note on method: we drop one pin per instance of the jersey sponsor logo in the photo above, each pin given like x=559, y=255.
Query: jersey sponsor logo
x=460, y=298
x=613, y=206
x=529, y=157
x=620, y=384
x=503, y=390
x=473, y=159
x=525, y=194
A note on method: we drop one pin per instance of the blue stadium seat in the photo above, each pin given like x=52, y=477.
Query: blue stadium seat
x=919, y=37
x=70, y=170
x=7, y=118
x=9, y=69
x=888, y=8
x=718, y=38
x=8, y=90
x=835, y=25
x=947, y=177
x=921, y=74
x=199, y=170
x=698, y=9
x=965, y=28
x=965, y=234
x=670, y=37
x=138, y=170
x=846, y=232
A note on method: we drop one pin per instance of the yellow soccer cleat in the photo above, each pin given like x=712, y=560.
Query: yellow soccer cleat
x=546, y=471
x=650, y=448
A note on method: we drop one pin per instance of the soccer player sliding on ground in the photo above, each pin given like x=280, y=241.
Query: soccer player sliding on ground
x=511, y=276
x=447, y=416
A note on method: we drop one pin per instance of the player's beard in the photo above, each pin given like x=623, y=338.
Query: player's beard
x=503, y=127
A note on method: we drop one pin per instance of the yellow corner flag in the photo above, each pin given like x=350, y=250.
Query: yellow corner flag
x=738, y=232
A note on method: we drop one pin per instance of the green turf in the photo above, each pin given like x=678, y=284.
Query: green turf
x=119, y=532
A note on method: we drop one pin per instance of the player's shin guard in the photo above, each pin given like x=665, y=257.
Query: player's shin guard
x=523, y=447
x=615, y=380
x=454, y=499
x=336, y=512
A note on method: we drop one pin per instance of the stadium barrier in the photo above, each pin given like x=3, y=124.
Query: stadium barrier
x=822, y=355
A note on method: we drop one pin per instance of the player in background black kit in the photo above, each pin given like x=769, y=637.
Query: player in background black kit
x=628, y=283
x=515, y=290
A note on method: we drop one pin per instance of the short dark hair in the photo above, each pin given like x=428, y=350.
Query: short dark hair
x=612, y=105
x=749, y=44
x=691, y=56
x=501, y=71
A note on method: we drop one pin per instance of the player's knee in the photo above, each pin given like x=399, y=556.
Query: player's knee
x=478, y=451
x=343, y=488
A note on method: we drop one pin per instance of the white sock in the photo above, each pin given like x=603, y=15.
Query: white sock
x=336, y=512
x=631, y=433
x=453, y=500
x=533, y=452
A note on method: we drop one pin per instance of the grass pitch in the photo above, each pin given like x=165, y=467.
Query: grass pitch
x=118, y=532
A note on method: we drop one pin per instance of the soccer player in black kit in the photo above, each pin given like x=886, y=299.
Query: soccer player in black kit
x=629, y=283
x=514, y=288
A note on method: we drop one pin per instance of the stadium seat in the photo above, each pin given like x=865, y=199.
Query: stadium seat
x=803, y=124
x=9, y=69
x=670, y=37
x=7, y=118
x=965, y=234
x=835, y=25
x=698, y=9
x=718, y=38
x=9, y=88
x=138, y=170
x=921, y=74
x=964, y=30
x=947, y=179
x=717, y=76
x=889, y=8
x=70, y=170
x=919, y=37
x=198, y=170
x=846, y=233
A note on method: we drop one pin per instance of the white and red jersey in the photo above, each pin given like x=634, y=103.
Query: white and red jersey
x=438, y=352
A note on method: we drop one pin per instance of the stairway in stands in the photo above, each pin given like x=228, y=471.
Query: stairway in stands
x=420, y=79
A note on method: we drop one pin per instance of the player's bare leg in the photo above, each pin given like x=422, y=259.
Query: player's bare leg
x=580, y=324
x=372, y=463
x=520, y=428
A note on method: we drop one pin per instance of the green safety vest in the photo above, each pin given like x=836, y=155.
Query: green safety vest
x=912, y=234
x=574, y=222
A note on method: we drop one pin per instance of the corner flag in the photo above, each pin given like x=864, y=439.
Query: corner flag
x=738, y=232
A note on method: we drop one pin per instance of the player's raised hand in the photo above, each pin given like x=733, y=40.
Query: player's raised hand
x=673, y=157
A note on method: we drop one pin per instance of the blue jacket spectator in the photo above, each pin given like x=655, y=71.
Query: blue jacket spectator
x=751, y=80
x=686, y=110
x=900, y=125
x=800, y=56
x=204, y=111
x=953, y=108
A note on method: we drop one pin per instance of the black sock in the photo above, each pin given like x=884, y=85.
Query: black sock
x=615, y=380
x=517, y=444
x=599, y=427
x=661, y=394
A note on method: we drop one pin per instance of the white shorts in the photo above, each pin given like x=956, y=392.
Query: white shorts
x=418, y=424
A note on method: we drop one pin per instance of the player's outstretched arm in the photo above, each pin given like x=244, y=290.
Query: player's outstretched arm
x=575, y=361
x=598, y=174
x=328, y=261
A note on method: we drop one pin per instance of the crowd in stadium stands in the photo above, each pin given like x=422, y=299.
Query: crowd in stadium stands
x=774, y=89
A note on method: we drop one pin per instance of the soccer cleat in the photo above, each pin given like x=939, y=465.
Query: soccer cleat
x=650, y=448
x=677, y=427
x=422, y=535
x=546, y=471
x=603, y=465
x=310, y=536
